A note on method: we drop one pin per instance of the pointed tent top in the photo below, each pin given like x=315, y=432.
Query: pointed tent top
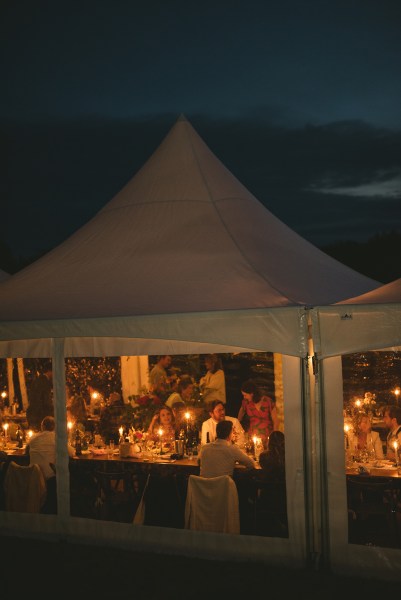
x=184, y=235
x=182, y=117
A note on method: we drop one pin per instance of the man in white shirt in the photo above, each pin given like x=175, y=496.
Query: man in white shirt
x=392, y=420
x=42, y=451
x=217, y=413
x=220, y=457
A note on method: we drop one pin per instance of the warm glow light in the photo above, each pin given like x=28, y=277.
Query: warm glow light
x=4, y=394
x=397, y=391
x=187, y=415
x=395, y=445
x=69, y=424
x=121, y=431
x=95, y=395
x=255, y=440
x=358, y=403
x=5, y=427
x=30, y=433
x=346, y=428
x=160, y=432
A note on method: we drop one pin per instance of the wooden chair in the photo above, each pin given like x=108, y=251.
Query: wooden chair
x=372, y=511
x=269, y=508
x=24, y=488
x=212, y=505
x=116, y=498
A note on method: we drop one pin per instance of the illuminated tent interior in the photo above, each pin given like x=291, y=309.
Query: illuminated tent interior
x=369, y=322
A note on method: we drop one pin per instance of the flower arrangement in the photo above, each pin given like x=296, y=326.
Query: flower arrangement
x=141, y=409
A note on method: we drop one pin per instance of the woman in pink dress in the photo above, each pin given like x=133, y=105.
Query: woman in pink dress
x=261, y=411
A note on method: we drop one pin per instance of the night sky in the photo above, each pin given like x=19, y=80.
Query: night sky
x=301, y=100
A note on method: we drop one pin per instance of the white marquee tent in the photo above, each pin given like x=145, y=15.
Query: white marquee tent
x=184, y=259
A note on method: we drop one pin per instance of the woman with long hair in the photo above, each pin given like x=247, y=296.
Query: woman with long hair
x=364, y=440
x=260, y=409
x=163, y=419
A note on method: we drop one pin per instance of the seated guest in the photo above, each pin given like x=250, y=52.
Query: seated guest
x=364, y=439
x=220, y=457
x=270, y=500
x=42, y=451
x=392, y=420
x=272, y=460
x=163, y=419
x=217, y=413
x=185, y=389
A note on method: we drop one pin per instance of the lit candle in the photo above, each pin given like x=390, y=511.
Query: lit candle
x=160, y=432
x=358, y=403
x=395, y=446
x=121, y=431
x=4, y=394
x=5, y=427
x=69, y=425
x=30, y=433
x=346, y=430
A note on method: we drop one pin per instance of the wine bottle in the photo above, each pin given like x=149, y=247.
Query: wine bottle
x=78, y=443
x=19, y=436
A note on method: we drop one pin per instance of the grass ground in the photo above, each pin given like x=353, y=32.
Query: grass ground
x=55, y=569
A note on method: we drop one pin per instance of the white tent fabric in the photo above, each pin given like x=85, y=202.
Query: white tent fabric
x=184, y=259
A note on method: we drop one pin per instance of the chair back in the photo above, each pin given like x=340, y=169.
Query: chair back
x=212, y=505
x=24, y=488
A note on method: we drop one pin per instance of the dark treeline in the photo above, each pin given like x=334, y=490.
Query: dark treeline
x=377, y=258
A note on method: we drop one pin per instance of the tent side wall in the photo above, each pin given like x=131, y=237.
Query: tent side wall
x=339, y=330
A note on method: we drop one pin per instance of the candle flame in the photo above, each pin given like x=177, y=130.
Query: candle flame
x=160, y=431
x=346, y=428
x=187, y=415
x=69, y=424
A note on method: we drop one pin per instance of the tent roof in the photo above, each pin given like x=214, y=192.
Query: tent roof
x=385, y=294
x=184, y=235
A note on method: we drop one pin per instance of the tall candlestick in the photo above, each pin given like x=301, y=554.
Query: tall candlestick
x=160, y=432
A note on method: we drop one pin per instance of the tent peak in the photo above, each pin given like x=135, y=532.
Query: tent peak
x=182, y=117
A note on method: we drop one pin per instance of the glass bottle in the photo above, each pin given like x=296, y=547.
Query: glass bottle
x=78, y=443
x=19, y=437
